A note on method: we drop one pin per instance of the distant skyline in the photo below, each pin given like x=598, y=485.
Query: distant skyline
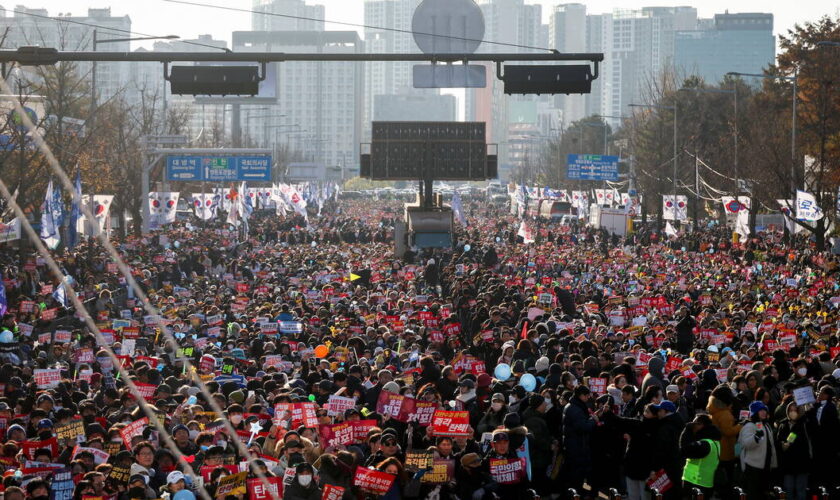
x=158, y=17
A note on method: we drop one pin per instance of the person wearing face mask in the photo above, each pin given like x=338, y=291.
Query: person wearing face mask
x=494, y=416
x=303, y=487
x=183, y=441
x=759, y=455
x=466, y=400
x=235, y=416
x=796, y=454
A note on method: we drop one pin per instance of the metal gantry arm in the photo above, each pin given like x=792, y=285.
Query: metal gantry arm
x=38, y=56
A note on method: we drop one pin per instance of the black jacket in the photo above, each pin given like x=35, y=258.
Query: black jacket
x=295, y=491
x=799, y=456
x=577, y=429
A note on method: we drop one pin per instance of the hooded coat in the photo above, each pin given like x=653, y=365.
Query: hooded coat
x=724, y=420
x=654, y=377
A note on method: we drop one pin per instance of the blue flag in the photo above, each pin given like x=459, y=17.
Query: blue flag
x=75, y=212
x=4, y=303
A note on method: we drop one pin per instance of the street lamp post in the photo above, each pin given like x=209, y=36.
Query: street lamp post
x=734, y=92
x=794, y=80
x=674, y=109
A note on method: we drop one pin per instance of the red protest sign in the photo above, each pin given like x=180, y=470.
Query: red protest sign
x=146, y=390
x=133, y=429
x=451, y=423
x=507, y=470
x=258, y=490
x=598, y=385
x=660, y=481
x=674, y=363
x=331, y=492
x=373, y=481
x=423, y=413
x=29, y=447
x=207, y=470
x=395, y=406
x=338, y=434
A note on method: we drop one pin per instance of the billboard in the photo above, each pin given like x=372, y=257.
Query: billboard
x=592, y=168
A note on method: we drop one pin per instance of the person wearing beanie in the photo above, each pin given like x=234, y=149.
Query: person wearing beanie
x=758, y=451
x=493, y=418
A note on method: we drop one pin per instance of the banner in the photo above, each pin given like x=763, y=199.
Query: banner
x=451, y=423
x=525, y=232
x=373, y=481
x=507, y=470
x=674, y=210
x=396, y=406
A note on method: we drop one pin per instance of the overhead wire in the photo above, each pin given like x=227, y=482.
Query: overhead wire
x=355, y=25
x=126, y=272
x=111, y=28
x=70, y=292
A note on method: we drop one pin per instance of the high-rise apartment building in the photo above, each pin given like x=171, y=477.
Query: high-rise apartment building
x=286, y=15
x=23, y=26
x=731, y=42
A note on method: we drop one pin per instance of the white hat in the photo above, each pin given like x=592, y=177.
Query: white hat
x=672, y=388
x=174, y=477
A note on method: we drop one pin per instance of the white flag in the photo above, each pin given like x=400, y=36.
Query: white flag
x=525, y=233
x=669, y=230
x=163, y=206
x=205, y=205
x=458, y=209
x=100, y=209
x=807, y=208
x=672, y=210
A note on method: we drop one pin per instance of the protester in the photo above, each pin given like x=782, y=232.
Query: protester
x=570, y=362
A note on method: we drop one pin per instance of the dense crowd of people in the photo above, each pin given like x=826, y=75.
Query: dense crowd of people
x=305, y=361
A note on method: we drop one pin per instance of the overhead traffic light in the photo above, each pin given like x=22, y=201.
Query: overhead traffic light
x=571, y=79
x=214, y=80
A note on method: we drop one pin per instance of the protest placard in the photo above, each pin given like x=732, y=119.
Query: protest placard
x=135, y=428
x=451, y=423
x=47, y=378
x=507, y=470
x=71, y=431
x=373, y=481
x=233, y=484
x=442, y=471
x=396, y=406
x=259, y=490
x=419, y=460
x=337, y=405
x=332, y=492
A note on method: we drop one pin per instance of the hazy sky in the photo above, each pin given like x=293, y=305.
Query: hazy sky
x=160, y=17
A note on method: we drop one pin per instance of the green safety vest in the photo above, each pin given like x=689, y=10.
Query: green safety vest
x=701, y=471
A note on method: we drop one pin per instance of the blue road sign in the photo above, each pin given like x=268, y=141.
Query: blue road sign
x=592, y=168
x=215, y=168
